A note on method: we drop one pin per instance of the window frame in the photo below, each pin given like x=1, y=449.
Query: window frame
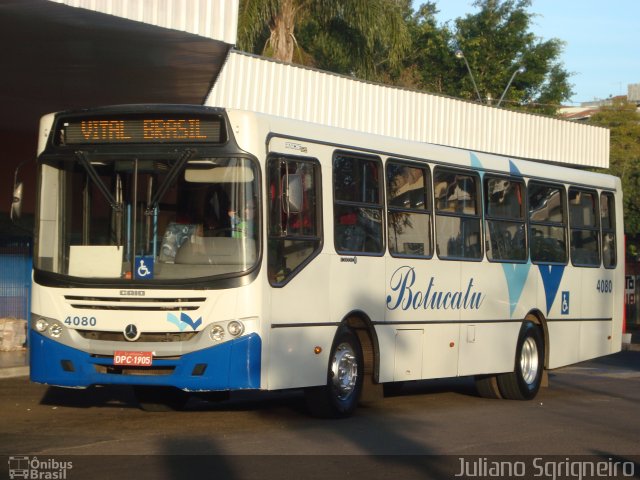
x=488, y=217
x=564, y=224
x=380, y=206
x=428, y=210
x=477, y=216
x=596, y=229
x=319, y=237
x=612, y=229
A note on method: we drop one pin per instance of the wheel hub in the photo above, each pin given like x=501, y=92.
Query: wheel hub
x=529, y=361
x=344, y=371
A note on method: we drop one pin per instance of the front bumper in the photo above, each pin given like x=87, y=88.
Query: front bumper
x=233, y=365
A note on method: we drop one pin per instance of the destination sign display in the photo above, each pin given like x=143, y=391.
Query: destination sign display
x=141, y=130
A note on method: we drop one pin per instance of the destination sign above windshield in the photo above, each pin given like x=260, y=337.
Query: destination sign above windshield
x=141, y=130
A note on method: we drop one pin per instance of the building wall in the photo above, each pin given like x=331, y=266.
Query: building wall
x=633, y=92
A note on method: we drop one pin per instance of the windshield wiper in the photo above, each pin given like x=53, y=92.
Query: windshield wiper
x=82, y=157
x=168, y=180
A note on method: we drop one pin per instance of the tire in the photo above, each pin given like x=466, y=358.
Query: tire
x=339, y=397
x=524, y=382
x=487, y=386
x=160, y=399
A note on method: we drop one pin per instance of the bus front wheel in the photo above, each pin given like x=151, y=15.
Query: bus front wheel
x=339, y=397
x=524, y=382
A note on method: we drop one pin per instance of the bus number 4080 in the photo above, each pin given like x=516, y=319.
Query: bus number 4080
x=604, y=286
x=81, y=321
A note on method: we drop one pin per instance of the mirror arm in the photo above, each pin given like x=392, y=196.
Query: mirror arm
x=16, y=198
x=15, y=178
x=16, y=202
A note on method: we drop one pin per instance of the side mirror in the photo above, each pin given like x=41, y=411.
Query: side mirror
x=293, y=193
x=16, y=202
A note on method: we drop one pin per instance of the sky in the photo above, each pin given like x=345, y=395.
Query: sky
x=602, y=40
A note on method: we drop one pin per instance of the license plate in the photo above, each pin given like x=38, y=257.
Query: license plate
x=140, y=359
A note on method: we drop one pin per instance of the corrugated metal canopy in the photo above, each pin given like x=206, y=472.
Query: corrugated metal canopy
x=58, y=57
x=259, y=84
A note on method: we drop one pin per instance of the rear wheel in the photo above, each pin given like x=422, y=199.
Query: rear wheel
x=524, y=382
x=339, y=397
x=487, y=386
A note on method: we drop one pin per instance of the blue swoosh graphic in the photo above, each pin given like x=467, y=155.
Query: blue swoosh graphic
x=551, y=277
x=187, y=319
x=476, y=163
x=516, y=275
x=513, y=170
x=171, y=318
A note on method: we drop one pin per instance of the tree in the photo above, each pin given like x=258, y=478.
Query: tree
x=429, y=63
x=496, y=41
x=386, y=41
x=622, y=119
x=345, y=36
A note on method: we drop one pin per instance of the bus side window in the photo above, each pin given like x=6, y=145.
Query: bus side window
x=547, y=223
x=458, y=232
x=585, y=229
x=294, y=234
x=608, y=222
x=358, y=214
x=409, y=210
x=505, y=220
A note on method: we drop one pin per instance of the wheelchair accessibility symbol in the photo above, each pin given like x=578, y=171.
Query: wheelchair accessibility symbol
x=144, y=267
x=564, y=308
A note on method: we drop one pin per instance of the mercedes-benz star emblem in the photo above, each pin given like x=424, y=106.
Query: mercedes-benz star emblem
x=131, y=332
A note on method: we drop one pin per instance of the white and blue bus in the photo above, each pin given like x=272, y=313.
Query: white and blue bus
x=196, y=249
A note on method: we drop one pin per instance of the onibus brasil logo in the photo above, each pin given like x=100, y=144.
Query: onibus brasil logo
x=40, y=469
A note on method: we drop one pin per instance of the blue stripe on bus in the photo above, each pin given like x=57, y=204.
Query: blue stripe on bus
x=229, y=366
x=477, y=164
x=513, y=170
x=551, y=278
x=516, y=275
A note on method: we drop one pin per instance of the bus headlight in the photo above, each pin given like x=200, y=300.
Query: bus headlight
x=216, y=333
x=235, y=328
x=41, y=325
x=55, y=330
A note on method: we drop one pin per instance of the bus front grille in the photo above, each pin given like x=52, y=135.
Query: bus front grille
x=144, y=337
x=134, y=303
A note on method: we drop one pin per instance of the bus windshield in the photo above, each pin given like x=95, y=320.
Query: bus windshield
x=172, y=217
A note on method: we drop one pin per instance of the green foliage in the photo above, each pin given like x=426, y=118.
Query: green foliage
x=353, y=37
x=253, y=24
x=386, y=41
x=496, y=41
x=367, y=35
x=430, y=63
x=623, y=121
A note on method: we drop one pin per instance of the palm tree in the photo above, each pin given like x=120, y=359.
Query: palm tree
x=366, y=32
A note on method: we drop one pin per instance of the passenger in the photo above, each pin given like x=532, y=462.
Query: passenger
x=243, y=226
